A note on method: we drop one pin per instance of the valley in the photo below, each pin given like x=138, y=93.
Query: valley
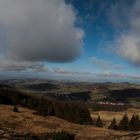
x=52, y=106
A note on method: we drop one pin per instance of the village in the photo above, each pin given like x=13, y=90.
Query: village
x=111, y=103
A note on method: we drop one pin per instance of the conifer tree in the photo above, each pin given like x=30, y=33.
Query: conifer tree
x=134, y=123
x=124, y=123
x=137, y=122
x=113, y=125
x=99, y=122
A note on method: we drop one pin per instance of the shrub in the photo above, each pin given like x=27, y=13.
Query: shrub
x=15, y=109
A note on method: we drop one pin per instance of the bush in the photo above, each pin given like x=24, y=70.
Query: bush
x=15, y=109
x=57, y=136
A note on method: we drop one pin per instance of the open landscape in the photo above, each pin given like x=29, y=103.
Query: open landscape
x=28, y=123
x=69, y=69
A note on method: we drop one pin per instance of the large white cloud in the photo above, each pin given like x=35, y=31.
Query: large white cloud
x=129, y=47
x=128, y=41
x=38, y=30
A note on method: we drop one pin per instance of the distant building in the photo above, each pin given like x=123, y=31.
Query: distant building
x=110, y=103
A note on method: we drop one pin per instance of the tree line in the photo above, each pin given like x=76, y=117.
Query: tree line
x=108, y=107
x=125, y=123
x=62, y=135
x=57, y=136
x=72, y=111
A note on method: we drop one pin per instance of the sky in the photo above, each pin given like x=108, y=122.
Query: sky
x=78, y=40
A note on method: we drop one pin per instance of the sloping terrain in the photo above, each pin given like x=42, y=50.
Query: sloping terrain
x=15, y=125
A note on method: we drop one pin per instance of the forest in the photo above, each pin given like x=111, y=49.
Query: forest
x=73, y=111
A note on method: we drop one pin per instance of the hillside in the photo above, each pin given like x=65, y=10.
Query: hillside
x=39, y=115
x=16, y=125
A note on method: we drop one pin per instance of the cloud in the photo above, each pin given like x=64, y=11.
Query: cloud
x=112, y=75
x=129, y=48
x=129, y=43
x=94, y=77
x=105, y=64
x=41, y=68
x=118, y=14
x=109, y=74
x=33, y=31
x=69, y=72
x=11, y=65
x=128, y=21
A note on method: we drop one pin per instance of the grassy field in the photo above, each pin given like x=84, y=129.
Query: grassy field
x=97, y=95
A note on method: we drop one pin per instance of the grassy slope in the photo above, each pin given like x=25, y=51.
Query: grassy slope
x=25, y=121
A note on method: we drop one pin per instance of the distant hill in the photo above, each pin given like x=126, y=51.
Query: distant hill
x=41, y=86
x=125, y=94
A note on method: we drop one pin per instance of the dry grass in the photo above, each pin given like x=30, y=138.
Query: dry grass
x=108, y=116
x=27, y=121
